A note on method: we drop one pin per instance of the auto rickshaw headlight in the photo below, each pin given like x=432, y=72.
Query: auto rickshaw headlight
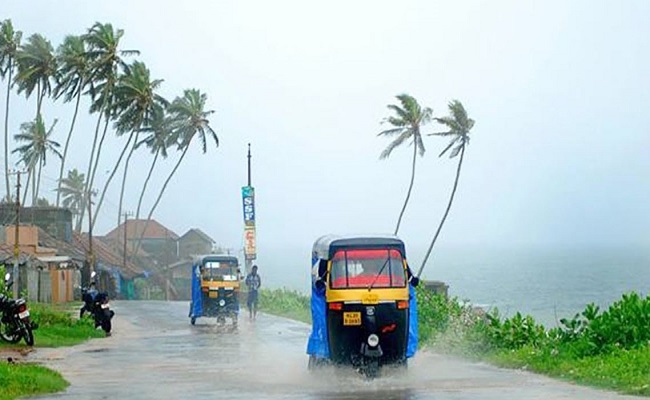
x=222, y=302
x=373, y=340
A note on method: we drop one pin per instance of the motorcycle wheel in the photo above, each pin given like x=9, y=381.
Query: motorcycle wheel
x=107, y=325
x=28, y=334
x=10, y=335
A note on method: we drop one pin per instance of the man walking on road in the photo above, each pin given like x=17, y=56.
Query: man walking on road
x=253, y=281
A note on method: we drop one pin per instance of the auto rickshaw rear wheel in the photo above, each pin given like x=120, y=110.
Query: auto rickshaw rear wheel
x=193, y=320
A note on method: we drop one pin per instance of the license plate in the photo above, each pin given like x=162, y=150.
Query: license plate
x=352, y=318
x=370, y=298
x=23, y=314
x=104, y=306
x=213, y=294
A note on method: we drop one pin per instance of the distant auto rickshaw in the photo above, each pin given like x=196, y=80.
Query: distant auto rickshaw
x=215, y=288
x=364, y=311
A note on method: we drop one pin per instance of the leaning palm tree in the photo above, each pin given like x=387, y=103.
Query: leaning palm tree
x=103, y=42
x=158, y=140
x=407, y=122
x=9, y=45
x=134, y=105
x=74, y=69
x=34, y=152
x=189, y=119
x=458, y=126
x=71, y=189
x=36, y=68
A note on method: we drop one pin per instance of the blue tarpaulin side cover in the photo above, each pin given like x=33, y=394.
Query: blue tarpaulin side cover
x=412, y=342
x=196, y=306
x=318, y=345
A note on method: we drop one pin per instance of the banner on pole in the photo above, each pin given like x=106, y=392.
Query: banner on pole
x=249, y=243
x=248, y=203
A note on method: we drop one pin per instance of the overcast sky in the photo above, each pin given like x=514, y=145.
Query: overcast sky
x=560, y=93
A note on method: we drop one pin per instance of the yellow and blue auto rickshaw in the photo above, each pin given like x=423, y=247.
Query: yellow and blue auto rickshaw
x=215, y=288
x=363, y=306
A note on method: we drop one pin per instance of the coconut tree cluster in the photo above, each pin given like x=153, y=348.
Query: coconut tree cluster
x=407, y=121
x=125, y=105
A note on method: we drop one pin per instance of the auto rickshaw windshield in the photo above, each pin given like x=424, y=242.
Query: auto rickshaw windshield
x=219, y=271
x=360, y=268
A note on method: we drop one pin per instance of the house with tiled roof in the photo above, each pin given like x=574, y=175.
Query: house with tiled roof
x=158, y=241
x=194, y=242
x=116, y=272
x=51, y=271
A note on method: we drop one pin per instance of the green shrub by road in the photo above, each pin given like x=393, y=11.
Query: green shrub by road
x=608, y=349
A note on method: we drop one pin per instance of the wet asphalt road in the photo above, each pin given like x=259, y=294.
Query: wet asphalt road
x=155, y=353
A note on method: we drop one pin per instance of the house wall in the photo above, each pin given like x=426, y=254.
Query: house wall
x=55, y=221
x=62, y=281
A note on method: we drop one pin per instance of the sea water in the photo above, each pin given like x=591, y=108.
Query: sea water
x=548, y=283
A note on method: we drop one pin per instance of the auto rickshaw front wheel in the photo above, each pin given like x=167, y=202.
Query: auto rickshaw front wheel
x=371, y=369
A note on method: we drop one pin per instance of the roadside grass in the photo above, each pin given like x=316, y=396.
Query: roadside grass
x=285, y=303
x=626, y=371
x=58, y=326
x=18, y=380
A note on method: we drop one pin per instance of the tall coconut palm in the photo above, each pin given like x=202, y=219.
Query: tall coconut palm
x=9, y=45
x=71, y=189
x=189, y=120
x=34, y=152
x=158, y=140
x=134, y=105
x=406, y=124
x=103, y=42
x=36, y=68
x=458, y=126
x=73, y=76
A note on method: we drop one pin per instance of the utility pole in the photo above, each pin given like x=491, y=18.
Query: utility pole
x=16, y=239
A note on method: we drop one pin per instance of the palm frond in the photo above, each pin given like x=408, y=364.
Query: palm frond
x=394, y=144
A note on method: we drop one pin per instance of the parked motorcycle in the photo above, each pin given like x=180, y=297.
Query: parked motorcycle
x=97, y=304
x=15, y=322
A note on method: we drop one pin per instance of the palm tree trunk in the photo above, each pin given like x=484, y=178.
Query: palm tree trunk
x=97, y=156
x=155, y=204
x=108, y=182
x=34, y=175
x=126, y=171
x=39, y=99
x=7, y=132
x=408, y=194
x=90, y=166
x=146, y=182
x=38, y=183
x=29, y=178
x=444, y=217
x=65, y=148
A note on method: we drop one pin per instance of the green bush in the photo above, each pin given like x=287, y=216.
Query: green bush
x=624, y=325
